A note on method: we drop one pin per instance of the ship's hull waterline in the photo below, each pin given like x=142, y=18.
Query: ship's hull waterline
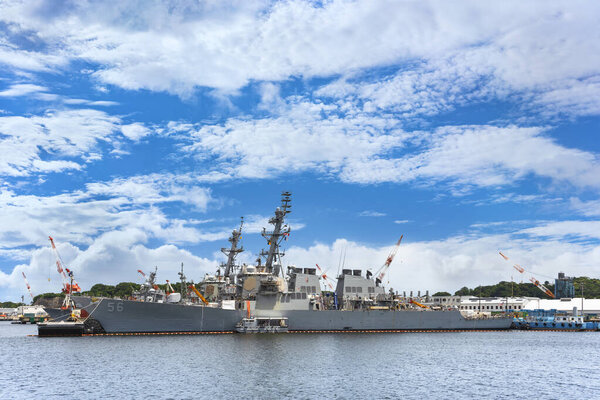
x=125, y=316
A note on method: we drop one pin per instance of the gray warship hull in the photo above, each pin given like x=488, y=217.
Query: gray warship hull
x=125, y=316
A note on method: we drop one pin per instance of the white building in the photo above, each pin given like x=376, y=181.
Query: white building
x=481, y=304
x=589, y=306
x=498, y=304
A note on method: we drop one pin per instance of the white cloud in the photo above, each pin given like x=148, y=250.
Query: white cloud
x=366, y=148
x=549, y=51
x=370, y=213
x=22, y=89
x=446, y=264
x=488, y=155
x=300, y=140
x=121, y=204
x=29, y=60
x=66, y=137
x=135, y=131
x=454, y=262
x=111, y=258
x=566, y=230
x=590, y=208
x=99, y=103
x=402, y=221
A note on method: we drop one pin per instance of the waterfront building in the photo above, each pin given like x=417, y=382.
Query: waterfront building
x=563, y=286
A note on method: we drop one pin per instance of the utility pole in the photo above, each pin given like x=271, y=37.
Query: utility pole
x=582, y=298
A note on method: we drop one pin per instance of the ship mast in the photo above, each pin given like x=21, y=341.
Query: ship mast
x=232, y=252
x=280, y=231
x=182, y=285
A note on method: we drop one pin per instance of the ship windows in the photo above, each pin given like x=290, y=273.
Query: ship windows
x=303, y=296
x=371, y=289
x=348, y=289
x=314, y=289
x=359, y=289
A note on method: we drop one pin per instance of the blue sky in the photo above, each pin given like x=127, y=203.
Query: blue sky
x=137, y=134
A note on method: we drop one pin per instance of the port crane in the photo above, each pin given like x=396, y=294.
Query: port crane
x=27, y=284
x=417, y=303
x=323, y=274
x=532, y=279
x=198, y=294
x=68, y=288
x=383, y=270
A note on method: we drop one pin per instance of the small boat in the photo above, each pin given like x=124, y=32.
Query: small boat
x=551, y=320
x=262, y=325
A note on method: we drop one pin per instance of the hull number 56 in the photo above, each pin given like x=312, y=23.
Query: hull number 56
x=114, y=306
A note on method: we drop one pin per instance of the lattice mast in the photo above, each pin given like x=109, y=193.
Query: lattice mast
x=275, y=237
x=233, y=251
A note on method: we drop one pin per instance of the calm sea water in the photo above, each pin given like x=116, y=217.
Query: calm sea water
x=488, y=365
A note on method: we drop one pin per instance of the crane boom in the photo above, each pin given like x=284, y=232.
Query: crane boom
x=541, y=287
x=532, y=279
x=323, y=275
x=417, y=303
x=198, y=294
x=382, y=271
x=27, y=284
x=63, y=271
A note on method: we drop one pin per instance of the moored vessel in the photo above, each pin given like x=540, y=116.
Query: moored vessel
x=249, y=298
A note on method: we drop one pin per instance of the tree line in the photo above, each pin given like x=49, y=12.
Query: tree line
x=591, y=290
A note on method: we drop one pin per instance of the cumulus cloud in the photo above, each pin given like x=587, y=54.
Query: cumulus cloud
x=135, y=131
x=300, y=140
x=80, y=216
x=451, y=263
x=111, y=258
x=446, y=264
x=545, y=50
x=369, y=148
x=55, y=141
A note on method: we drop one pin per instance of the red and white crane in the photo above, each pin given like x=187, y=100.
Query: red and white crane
x=65, y=273
x=27, y=284
x=383, y=270
x=323, y=275
x=532, y=279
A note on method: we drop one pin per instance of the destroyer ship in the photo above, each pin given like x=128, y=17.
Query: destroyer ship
x=241, y=298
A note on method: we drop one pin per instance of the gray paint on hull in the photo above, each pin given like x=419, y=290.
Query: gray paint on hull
x=385, y=320
x=126, y=316
x=138, y=317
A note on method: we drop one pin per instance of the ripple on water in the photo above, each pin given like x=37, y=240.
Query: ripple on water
x=494, y=365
